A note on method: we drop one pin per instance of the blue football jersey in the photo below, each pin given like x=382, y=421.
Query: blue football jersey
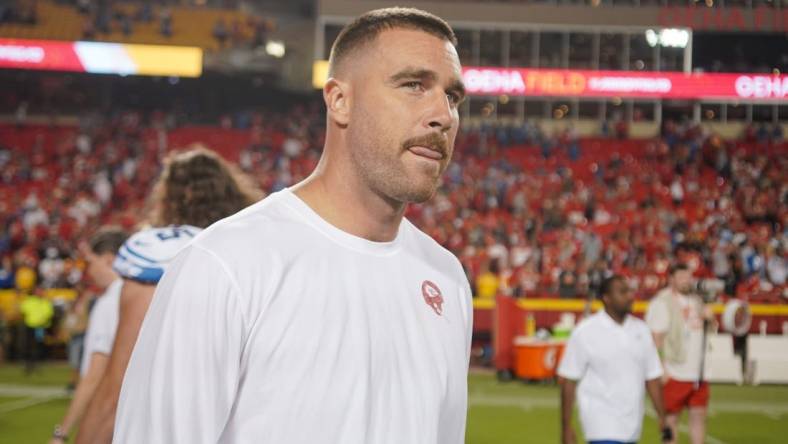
x=145, y=255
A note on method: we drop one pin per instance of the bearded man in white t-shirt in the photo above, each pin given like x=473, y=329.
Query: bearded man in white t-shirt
x=321, y=314
x=676, y=318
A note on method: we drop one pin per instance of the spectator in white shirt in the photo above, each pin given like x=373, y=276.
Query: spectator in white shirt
x=101, y=330
x=676, y=317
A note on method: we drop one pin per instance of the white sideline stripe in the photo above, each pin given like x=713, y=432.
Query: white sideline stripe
x=771, y=409
x=31, y=390
x=24, y=403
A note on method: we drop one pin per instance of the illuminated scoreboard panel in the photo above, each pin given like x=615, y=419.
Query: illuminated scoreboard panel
x=629, y=84
x=101, y=58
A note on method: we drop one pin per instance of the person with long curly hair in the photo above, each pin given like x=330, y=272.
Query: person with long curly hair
x=195, y=189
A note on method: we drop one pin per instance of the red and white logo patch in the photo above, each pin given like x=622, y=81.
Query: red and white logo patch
x=432, y=296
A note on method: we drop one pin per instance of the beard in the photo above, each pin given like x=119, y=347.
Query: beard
x=381, y=163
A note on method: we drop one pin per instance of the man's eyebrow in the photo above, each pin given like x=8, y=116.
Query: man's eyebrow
x=426, y=74
x=414, y=73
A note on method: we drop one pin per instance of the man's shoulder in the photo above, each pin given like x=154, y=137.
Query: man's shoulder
x=106, y=307
x=110, y=298
x=100, y=309
x=261, y=227
x=112, y=290
x=659, y=299
x=638, y=324
x=432, y=252
x=590, y=323
x=662, y=293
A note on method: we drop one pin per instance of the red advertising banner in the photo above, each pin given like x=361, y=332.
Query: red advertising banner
x=763, y=18
x=630, y=84
x=101, y=58
x=39, y=54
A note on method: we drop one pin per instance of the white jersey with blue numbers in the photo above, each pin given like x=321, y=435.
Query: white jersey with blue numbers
x=274, y=326
x=145, y=255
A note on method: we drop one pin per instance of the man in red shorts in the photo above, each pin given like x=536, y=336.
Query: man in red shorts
x=675, y=317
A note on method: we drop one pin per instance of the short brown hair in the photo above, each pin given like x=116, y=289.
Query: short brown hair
x=107, y=240
x=366, y=28
x=675, y=268
x=197, y=187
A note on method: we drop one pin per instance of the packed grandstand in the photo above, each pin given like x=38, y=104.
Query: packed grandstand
x=528, y=213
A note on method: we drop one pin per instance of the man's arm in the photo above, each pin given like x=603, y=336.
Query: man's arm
x=187, y=357
x=659, y=341
x=83, y=394
x=654, y=375
x=99, y=420
x=571, y=369
x=568, y=387
x=658, y=321
x=654, y=388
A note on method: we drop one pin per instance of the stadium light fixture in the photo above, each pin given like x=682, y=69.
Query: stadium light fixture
x=275, y=48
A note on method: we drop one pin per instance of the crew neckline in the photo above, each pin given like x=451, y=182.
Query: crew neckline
x=347, y=240
x=610, y=319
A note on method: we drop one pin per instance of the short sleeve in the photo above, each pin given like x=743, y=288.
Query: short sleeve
x=185, y=368
x=102, y=326
x=575, y=359
x=657, y=316
x=101, y=329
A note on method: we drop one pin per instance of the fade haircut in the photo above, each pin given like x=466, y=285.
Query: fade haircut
x=364, y=29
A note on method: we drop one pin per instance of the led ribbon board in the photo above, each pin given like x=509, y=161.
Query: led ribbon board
x=101, y=58
x=630, y=84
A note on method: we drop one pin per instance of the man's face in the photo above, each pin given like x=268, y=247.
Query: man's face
x=403, y=119
x=620, y=298
x=99, y=266
x=682, y=281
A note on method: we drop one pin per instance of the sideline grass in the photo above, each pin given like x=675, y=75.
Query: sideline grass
x=510, y=413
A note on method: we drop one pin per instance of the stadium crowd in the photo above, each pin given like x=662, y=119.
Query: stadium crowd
x=529, y=214
x=103, y=18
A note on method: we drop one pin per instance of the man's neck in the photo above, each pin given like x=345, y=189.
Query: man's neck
x=351, y=206
x=618, y=318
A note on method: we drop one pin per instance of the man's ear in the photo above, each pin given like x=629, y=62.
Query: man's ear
x=336, y=94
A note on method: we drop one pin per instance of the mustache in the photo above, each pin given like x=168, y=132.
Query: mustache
x=432, y=140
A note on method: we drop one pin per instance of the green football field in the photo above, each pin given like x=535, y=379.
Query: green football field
x=499, y=413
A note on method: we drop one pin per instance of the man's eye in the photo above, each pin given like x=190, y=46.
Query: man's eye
x=415, y=86
x=454, y=98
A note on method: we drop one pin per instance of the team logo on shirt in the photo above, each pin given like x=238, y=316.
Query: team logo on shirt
x=432, y=296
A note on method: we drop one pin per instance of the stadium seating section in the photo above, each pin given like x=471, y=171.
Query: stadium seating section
x=191, y=26
x=536, y=218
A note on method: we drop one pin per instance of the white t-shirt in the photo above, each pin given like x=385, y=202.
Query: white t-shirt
x=658, y=320
x=275, y=326
x=102, y=325
x=612, y=362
